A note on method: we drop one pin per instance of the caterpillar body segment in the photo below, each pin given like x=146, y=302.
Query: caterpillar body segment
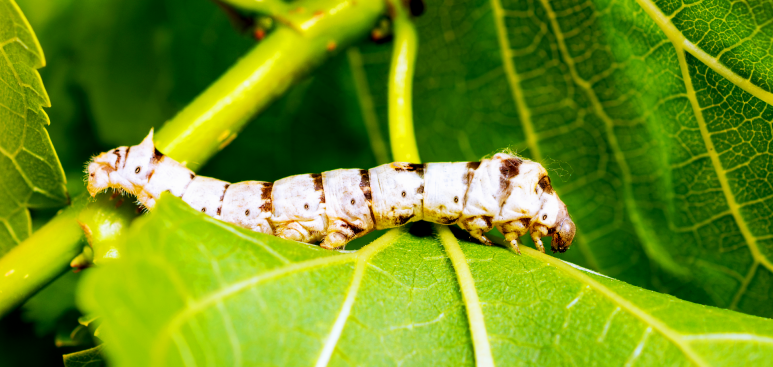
x=504, y=192
x=249, y=206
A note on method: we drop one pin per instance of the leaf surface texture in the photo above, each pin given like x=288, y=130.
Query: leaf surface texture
x=191, y=290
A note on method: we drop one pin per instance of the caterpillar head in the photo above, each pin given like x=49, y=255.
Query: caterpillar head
x=126, y=168
x=553, y=219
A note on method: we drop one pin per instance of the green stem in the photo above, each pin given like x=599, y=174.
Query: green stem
x=41, y=258
x=401, y=135
x=304, y=39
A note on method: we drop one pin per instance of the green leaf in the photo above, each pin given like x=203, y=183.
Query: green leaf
x=85, y=358
x=192, y=290
x=30, y=173
x=661, y=148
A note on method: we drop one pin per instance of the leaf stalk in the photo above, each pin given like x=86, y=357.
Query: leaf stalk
x=401, y=135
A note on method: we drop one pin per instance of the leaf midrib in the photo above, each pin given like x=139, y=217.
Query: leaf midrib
x=480, y=342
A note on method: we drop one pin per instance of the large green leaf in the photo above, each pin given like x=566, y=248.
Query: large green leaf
x=656, y=117
x=30, y=172
x=192, y=290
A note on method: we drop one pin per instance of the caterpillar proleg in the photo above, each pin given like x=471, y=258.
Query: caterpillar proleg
x=507, y=192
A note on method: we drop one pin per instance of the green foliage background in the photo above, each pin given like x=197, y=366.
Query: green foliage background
x=661, y=152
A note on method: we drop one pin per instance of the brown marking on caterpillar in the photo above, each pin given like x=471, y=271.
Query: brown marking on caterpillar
x=404, y=218
x=420, y=169
x=193, y=175
x=317, y=181
x=265, y=192
x=157, y=156
x=355, y=229
x=508, y=170
x=151, y=174
x=544, y=183
x=265, y=195
x=318, y=186
x=409, y=167
x=366, y=191
x=488, y=219
x=446, y=220
x=266, y=207
x=225, y=188
x=365, y=186
x=222, y=196
x=118, y=160
x=471, y=167
x=126, y=159
x=420, y=190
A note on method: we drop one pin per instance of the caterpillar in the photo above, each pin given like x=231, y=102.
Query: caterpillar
x=334, y=207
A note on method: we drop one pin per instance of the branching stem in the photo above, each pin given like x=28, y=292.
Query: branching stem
x=306, y=36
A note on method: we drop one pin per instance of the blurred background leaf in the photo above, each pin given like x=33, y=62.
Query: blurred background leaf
x=30, y=173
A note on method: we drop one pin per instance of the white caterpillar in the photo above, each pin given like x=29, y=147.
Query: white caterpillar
x=509, y=193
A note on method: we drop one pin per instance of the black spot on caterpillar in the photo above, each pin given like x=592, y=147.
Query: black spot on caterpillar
x=505, y=192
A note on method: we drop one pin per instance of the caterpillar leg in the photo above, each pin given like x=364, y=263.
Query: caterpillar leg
x=334, y=240
x=477, y=227
x=536, y=236
x=480, y=236
x=291, y=234
x=513, y=240
x=513, y=230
